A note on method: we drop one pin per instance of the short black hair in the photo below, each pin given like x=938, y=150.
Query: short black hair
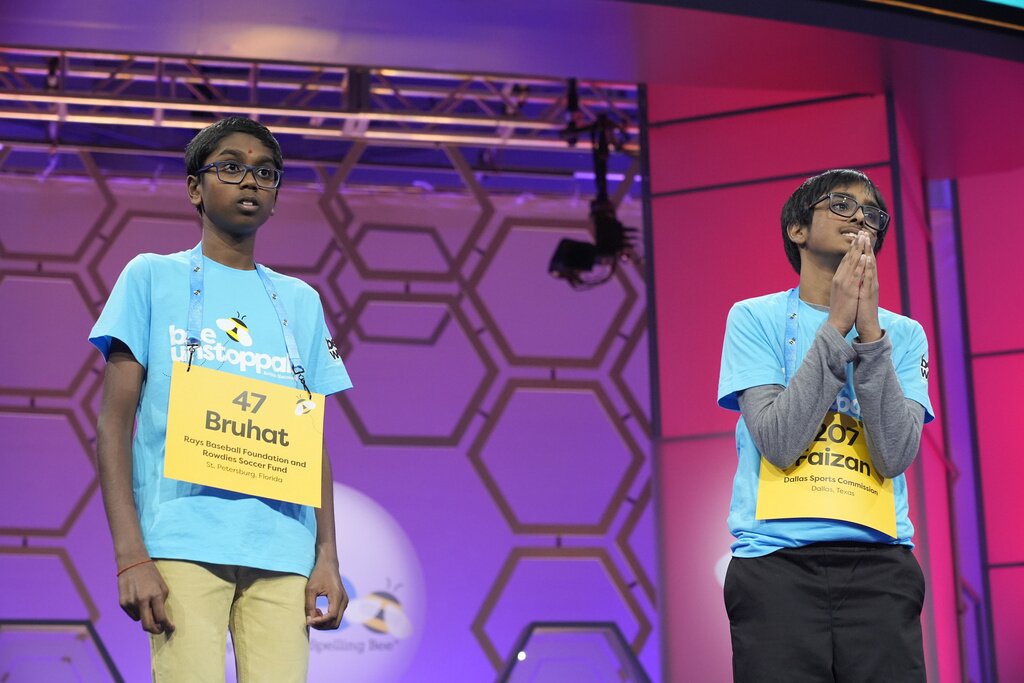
x=797, y=209
x=205, y=141
x=199, y=148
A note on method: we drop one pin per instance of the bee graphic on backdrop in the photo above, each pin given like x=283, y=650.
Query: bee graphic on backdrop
x=236, y=329
x=380, y=612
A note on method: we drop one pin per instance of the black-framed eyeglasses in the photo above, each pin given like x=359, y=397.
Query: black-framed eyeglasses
x=233, y=173
x=846, y=206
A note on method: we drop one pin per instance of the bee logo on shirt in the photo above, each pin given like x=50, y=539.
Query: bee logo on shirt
x=236, y=329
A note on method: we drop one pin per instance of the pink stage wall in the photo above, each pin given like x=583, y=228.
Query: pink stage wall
x=722, y=164
x=992, y=239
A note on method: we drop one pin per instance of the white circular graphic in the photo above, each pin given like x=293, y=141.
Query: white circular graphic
x=721, y=567
x=384, y=621
x=383, y=624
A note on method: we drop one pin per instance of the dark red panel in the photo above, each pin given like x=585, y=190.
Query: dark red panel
x=928, y=480
x=695, y=479
x=997, y=405
x=769, y=144
x=1007, y=594
x=911, y=220
x=889, y=281
x=672, y=102
x=711, y=250
x=992, y=239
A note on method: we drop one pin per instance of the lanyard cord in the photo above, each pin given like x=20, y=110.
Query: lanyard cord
x=195, y=314
x=791, y=332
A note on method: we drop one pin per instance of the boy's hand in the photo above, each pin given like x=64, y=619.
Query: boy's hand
x=143, y=596
x=868, y=328
x=844, y=300
x=325, y=579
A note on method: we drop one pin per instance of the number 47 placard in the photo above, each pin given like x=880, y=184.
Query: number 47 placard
x=245, y=435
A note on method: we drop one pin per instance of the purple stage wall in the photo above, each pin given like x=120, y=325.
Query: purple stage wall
x=494, y=451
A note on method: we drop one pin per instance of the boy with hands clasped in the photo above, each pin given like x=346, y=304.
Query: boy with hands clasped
x=833, y=393
x=196, y=559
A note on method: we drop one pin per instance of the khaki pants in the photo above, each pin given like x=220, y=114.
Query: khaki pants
x=264, y=610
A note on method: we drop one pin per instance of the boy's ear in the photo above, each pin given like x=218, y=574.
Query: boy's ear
x=192, y=186
x=797, y=233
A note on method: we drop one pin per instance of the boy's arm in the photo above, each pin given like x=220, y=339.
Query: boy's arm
x=782, y=421
x=892, y=422
x=325, y=579
x=141, y=589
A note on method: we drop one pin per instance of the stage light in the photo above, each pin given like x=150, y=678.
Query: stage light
x=582, y=264
x=571, y=258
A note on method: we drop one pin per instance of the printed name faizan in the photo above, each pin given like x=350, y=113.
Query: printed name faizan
x=247, y=429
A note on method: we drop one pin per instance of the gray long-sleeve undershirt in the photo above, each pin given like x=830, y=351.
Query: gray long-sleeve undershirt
x=783, y=420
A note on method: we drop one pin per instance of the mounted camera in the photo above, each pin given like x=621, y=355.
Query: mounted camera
x=583, y=264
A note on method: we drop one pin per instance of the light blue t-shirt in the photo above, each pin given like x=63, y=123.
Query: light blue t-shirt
x=754, y=355
x=148, y=311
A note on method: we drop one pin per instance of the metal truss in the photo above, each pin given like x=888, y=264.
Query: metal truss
x=378, y=106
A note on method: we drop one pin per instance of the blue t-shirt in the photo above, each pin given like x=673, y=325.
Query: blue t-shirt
x=148, y=311
x=754, y=355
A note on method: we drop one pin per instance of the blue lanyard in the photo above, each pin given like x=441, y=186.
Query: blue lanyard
x=195, y=313
x=791, y=332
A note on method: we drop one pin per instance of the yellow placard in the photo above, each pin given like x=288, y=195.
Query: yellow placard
x=243, y=434
x=834, y=478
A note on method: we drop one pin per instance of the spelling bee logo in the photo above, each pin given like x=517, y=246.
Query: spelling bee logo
x=380, y=612
x=383, y=624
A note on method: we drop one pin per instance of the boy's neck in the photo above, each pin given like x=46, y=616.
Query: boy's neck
x=229, y=250
x=816, y=282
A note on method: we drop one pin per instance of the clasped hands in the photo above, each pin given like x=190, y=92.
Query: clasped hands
x=854, y=297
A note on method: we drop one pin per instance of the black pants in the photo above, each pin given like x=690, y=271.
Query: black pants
x=839, y=612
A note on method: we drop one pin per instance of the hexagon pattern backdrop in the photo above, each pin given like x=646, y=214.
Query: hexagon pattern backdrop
x=501, y=418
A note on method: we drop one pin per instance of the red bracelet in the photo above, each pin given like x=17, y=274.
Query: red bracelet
x=132, y=566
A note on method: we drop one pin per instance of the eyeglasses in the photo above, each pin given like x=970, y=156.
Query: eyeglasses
x=846, y=206
x=233, y=173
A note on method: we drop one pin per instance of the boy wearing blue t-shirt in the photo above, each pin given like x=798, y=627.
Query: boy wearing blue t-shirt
x=833, y=392
x=196, y=560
